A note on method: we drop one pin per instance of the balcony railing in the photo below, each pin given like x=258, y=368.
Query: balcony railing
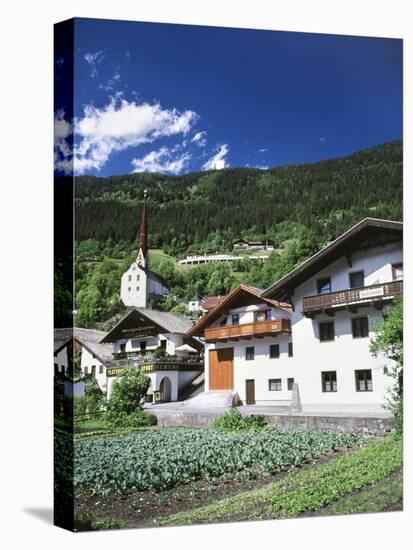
x=248, y=330
x=352, y=297
x=169, y=363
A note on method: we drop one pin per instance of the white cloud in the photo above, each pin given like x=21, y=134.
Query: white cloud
x=161, y=161
x=322, y=139
x=262, y=150
x=200, y=139
x=93, y=59
x=63, y=157
x=112, y=83
x=218, y=161
x=119, y=125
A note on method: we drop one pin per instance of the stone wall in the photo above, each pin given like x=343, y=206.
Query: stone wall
x=376, y=425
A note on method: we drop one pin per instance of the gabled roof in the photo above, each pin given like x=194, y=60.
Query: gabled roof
x=61, y=337
x=243, y=295
x=88, y=338
x=211, y=302
x=163, y=321
x=367, y=233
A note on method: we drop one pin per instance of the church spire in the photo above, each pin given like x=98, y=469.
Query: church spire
x=143, y=231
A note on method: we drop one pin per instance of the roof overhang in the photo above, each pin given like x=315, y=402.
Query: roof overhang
x=135, y=324
x=76, y=339
x=243, y=295
x=368, y=233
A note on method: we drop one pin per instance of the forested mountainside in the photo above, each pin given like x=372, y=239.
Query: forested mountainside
x=208, y=210
x=300, y=207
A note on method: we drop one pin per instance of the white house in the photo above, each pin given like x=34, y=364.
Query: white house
x=149, y=339
x=139, y=283
x=248, y=347
x=82, y=346
x=321, y=342
x=194, y=304
x=242, y=244
x=226, y=258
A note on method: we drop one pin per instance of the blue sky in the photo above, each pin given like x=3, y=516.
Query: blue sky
x=176, y=98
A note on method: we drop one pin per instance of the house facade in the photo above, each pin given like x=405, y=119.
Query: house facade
x=149, y=339
x=248, y=347
x=336, y=297
x=83, y=347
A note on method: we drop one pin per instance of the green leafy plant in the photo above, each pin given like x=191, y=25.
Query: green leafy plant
x=233, y=421
x=135, y=419
x=159, y=459
x=303, y=490
x=388, y=340
x=127, y=393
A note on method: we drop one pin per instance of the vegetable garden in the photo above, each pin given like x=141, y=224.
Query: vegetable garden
x=161, y=459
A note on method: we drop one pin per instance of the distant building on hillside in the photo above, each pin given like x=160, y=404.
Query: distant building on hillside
x=211, y=302
x=227, y=258
x=194, y=304
x=242, y=244
x=139, y=283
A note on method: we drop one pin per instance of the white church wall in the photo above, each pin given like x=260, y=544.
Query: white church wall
x=133, y=291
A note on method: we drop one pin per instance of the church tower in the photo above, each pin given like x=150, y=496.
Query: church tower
x=134, y=288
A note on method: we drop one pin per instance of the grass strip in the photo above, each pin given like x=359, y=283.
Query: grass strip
x=373, y=500
x=305, y=490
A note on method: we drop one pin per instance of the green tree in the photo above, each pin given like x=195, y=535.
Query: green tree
x=388, y=340
x=127, y=392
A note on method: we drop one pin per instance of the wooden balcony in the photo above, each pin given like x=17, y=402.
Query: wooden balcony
x=373, y=295
x=248, y=330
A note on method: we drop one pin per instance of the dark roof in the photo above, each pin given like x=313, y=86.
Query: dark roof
x=196, y=297
x=243, y=295
x=263, y=242
x=61, y=337
x=90, y=339
x=367, y=233
x=162, y=321
x=155, y=277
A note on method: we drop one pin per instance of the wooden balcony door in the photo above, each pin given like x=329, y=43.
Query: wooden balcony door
x=221, y=369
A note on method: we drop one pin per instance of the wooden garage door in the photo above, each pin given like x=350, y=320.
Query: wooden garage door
x=221, y=369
